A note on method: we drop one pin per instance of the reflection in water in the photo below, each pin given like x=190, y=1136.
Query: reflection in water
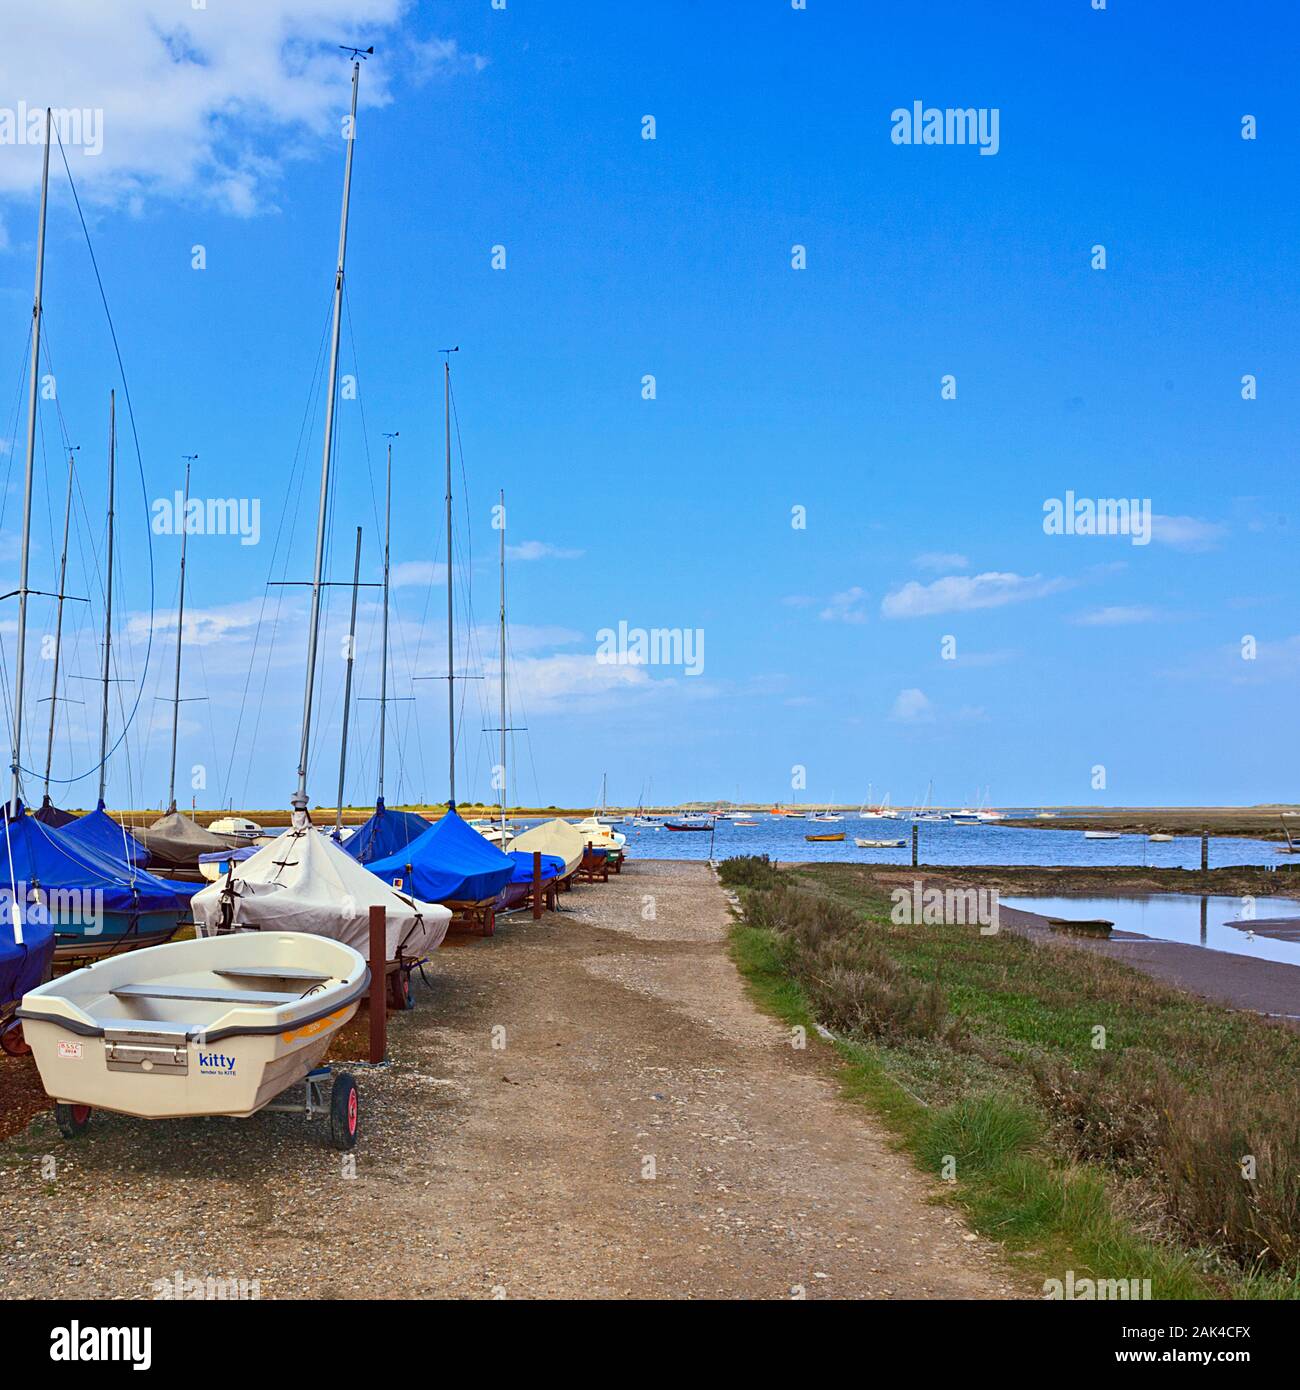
x=1266, y=928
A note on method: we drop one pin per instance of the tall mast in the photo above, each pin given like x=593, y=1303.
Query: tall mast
x=20, y=662
x=299, y=800
x=451, y=644
x=503, y=669
x=347, y=687
x=383, y=664
x=180, y=628
x=108, y=596
x=58, y=625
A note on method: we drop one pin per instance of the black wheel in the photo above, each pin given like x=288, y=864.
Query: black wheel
x=12, y=1041
x=71, y=1119
x=345, y=1112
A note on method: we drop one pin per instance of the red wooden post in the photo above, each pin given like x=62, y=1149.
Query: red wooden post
x=537, y=884
x=378, y=981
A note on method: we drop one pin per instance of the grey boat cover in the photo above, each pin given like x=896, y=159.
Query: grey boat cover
x=175, y=842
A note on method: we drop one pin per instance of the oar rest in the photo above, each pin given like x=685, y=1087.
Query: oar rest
x=203, y=996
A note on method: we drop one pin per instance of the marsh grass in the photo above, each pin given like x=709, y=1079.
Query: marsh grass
x=1055, y=1077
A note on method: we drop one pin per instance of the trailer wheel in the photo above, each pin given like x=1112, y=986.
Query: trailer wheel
x=405, y=990
x=345, y=1112
x=72, y=1120
x=12, y=1041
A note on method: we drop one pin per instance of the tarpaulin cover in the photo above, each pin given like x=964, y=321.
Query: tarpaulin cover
x=553, y=837
x=49, y=814
x=552, y=867
x=175, y=842
x=386, y=832
x=99, y=831
x=45, y=858
x=302, y=881
x=450, y=862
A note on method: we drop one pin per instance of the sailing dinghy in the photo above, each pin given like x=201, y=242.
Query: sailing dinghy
x=206, y=1027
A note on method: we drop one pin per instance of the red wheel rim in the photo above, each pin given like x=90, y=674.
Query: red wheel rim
x=80, y=1114
x=352, y=1112
x=13, y=1042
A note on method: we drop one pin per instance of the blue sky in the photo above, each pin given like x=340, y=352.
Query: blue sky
x=776, y=388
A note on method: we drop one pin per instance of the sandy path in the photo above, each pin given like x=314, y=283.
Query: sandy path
x=644, y=1131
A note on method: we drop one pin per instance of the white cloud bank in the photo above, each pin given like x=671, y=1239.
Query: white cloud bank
x=964, y=593
x=205, y=102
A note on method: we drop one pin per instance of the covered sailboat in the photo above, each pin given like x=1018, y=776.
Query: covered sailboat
x=449, y=863
x=174, y=843
x=99, y=831
x=386, y=832
x=49, y=814
x=553, y=837
x=96, y=905
x=303, y=881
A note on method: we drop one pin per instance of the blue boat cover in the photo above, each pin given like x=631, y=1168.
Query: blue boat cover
x=552, y=866
x=99, y=831
x=44, y=857
x=450, y=862
x=386, y=832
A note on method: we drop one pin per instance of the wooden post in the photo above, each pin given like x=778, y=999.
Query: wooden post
x=378, y=982
x=916, y=831
x=537, y=884
x=1205, y=851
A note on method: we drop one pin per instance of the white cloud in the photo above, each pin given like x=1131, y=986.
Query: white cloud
x=409, y=573
x=845, y=607
x=963, y=593
x=207, y=101
x=540, y=550
x=938, y=560
x=1116, y=615
x=1186, y=532
x=912, y=706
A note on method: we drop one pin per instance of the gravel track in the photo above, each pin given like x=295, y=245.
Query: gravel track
x=643, y=1131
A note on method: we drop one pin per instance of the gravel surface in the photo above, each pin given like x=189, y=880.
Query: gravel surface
x=586, y=1106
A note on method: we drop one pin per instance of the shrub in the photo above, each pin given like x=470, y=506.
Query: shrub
x=749, y=871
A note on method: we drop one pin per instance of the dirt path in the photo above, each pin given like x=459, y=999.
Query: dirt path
x=644, y=1132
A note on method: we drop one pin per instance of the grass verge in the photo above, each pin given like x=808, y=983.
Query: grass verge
x=979, y=1055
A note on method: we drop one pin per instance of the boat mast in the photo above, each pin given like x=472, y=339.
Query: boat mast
x=108, y=596
x=58, y=625
x=503, y=669
x=383, y=665
x=180, y=628
x=347, y=688
x=20, y=662
x=451, y=671
x=299, y=800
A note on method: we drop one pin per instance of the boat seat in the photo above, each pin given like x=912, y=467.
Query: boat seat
x=205, y=996
x=270, y=972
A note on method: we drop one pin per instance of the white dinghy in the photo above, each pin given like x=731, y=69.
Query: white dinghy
x=204, y=1027
x=303, y=882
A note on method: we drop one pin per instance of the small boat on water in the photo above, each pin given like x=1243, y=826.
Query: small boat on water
x=238, y=827
x=1101, y=834
x=1160, y=839
x=839, y=836
x=690, y=823
x=207, y=1027
x=878, y=844
x=744, y=824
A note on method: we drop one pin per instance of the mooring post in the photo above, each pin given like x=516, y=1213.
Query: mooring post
x=537, y=884
x=1205, y=851
x=378, y=984
x=916, y=835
